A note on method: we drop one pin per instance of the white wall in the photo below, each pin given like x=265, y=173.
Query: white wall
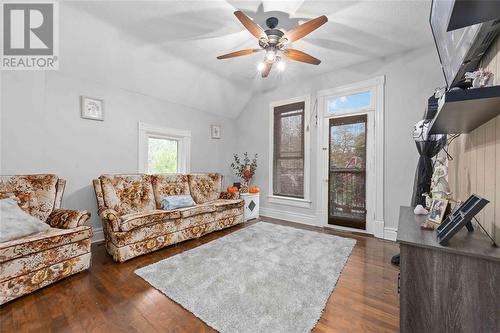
x=41, y=128
x=94, y=49
x=410, y=79
x=42, y=132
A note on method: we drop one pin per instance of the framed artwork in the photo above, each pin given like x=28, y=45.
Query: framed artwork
x=215, y=130
x=92, y=108
x=437, y=210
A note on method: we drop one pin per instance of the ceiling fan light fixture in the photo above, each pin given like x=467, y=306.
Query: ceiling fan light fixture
x=270, y=55
x=281, y=65
x=275, y=42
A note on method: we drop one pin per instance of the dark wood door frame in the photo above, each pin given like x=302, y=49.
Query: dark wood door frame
x=345, y=221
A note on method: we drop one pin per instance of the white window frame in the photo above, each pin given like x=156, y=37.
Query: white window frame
x=183, y=138
x=375, y=151
x=297, y=202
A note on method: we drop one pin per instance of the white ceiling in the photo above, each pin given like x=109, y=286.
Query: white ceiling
x=198, y=31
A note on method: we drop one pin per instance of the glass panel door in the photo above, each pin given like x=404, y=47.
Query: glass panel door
x=347, y=172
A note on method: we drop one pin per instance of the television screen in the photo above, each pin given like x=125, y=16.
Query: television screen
x=452, y=46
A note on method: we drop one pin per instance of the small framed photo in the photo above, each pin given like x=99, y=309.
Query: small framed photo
x=216, y=131
x=437, y=210
x=92, y=108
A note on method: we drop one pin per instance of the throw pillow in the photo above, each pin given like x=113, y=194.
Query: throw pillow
x=170, y=202
x=16, y=223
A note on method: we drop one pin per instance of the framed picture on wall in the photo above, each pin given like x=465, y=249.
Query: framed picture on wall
x=92, y=108
x=215, y=130
x=437, y=210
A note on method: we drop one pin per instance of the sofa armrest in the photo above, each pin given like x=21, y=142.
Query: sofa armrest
x=67, y=218
x=229, y=195
x=110, y=216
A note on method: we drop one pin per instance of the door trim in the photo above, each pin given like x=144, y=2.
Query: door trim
x=375, y=152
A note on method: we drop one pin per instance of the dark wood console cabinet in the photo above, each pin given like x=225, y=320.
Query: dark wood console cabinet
x=447, y=289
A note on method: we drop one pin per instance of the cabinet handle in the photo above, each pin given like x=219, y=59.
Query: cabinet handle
x=399, y=283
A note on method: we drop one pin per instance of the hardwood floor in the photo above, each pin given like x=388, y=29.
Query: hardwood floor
x=110, y=297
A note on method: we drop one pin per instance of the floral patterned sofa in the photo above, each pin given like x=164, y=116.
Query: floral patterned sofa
x=134, y=224
x=35, y=261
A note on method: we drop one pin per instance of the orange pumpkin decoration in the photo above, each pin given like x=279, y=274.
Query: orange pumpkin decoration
x=254, y=189
x=232, y=189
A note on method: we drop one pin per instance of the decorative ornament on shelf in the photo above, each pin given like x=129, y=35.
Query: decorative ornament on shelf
x=244, y=169
x=480, y=78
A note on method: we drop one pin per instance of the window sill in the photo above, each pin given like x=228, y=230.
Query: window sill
x=302, y=203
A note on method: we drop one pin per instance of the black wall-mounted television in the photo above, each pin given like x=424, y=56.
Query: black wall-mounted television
x=459, y=50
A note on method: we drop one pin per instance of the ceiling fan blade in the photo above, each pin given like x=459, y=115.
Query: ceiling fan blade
x=304, y=29
x=267, y=69
x=238, y=53
x=301, y=56
x=250, y=25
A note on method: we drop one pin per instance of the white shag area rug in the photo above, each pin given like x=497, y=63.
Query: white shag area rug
x=263, y=278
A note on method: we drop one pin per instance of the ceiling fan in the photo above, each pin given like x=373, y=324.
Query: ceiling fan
x=274, y=41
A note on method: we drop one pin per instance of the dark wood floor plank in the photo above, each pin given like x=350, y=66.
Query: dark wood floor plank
x=111, y=298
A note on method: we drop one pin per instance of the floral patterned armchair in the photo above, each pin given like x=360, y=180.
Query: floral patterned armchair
x=134, y=224
x=35, y=261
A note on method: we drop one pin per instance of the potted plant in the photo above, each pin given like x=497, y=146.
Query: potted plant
x=244, y=169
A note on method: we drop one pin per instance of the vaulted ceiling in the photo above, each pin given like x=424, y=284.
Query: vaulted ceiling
x=169, y=48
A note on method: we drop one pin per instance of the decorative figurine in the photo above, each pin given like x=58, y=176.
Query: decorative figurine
x=428, y=200
x=420, y=210
x=440, y=189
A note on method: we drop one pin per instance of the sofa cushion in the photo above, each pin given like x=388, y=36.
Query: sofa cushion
x=171, y=202
x=196, y=210
x=160, y=228
x=169, y=184
x=42, y=241
x=35, y=261
x=134, y=220
x=205, y=187
x=36, y=193
x=16, y=223
x=128, y=193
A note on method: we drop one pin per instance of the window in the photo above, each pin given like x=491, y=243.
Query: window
x=162, y=155
x=289, y=156
x=288, y=175
x=163, y=150
x=348, y=103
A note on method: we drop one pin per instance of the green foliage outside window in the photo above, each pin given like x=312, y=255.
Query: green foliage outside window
x=162, y=156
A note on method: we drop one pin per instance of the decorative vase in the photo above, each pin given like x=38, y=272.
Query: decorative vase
x=244, y=187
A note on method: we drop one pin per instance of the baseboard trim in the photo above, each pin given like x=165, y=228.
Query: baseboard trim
x=98, y=235
x=378, y=228
x=379, y=231
x=390, y=233
x=289, y=216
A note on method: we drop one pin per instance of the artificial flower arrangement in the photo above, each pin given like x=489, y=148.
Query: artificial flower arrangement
x=245, y=169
